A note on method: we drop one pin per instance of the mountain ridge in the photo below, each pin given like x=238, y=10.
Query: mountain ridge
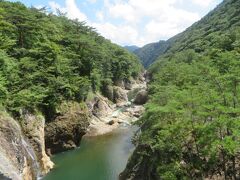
x=172, y=42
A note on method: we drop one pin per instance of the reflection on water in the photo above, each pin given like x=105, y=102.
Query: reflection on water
x=98, y=158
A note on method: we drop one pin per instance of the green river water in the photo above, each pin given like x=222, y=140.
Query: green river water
x=98, y=158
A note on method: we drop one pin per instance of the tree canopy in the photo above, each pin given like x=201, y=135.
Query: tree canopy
x=46, y=59
x=191, y=128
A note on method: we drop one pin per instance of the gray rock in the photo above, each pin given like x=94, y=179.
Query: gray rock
x=141, y=97
x=33, y=128
x=111, y=122
x=17, y=158
x=119, y=83
x=119, y=95
x=99, y=106
x=65, y=132
x=128, y=84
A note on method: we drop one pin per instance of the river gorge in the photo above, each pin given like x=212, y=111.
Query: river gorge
x=88, y=141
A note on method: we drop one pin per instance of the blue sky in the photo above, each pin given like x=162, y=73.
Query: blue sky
x=132, y=22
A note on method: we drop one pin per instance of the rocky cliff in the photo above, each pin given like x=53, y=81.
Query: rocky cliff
x=33, y=128
x=17, y=156
x=66, y=130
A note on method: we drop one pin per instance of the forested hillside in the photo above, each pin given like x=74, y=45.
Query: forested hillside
x=150, y=52
x=191, y=128
x=46, y=59
x=199, y=37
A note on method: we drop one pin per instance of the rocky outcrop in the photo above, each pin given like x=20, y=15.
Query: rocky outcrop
x=17, y=158
x=66, y=130
x=106, y=116
x=141, y=97
x=99, y=106
x=128, y=84
x=116, y=94
x=120, y=95
x=119, y=83
x=33, y=127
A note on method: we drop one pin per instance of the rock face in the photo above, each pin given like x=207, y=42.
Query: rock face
x=65, y=132
x=17, y=157
x=141, y=97
x=119, y=83
x=107, y=116
x=99, y=106
x=33, y=127
x=119, y=95
x=128, y=84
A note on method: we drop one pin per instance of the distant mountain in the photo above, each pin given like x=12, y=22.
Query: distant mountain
x=131, y=48
x=150, y=52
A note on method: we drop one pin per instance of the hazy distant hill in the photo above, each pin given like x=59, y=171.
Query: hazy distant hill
x=150, y=52
x=131, y=48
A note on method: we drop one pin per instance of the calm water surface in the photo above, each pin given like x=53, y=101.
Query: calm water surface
x=98, y=158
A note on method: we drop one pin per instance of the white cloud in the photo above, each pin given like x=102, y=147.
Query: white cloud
x=39, y=6
x=73, y=12
x=117, y=33
x=92, y=1
x=137, y=21
x=203, y=3
x=162, y=18
x=124, y=11
x=55, y=6
x=100, y=15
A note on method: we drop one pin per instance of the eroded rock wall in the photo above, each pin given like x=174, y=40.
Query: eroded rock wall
x=33, y=128
x=66, y=130
x=17, y=157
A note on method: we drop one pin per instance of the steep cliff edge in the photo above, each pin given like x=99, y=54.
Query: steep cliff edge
x=33, y=128
x=66, y=130
x=17, y=157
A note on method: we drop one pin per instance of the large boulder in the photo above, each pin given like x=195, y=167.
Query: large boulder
x=128, y=84
x=17, y=158
x=33, y=127
x=99, y=106
x=119, y=83
x=66, y=130
x=141, y=97
x=119, y=95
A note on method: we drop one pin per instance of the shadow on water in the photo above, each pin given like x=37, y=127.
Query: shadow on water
x=98, y=158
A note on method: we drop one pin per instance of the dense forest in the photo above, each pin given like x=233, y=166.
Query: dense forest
x=199, y=37
x=46, y=59
x=191, y=128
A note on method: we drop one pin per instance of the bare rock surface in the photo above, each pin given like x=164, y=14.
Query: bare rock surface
x=106, y=116
x=17, y=157
x=66, y=130
x=33, y=127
